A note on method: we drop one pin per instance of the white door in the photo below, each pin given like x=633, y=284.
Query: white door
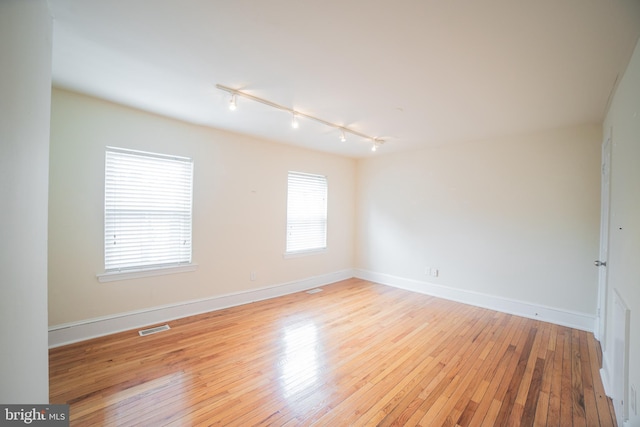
x=601, y=263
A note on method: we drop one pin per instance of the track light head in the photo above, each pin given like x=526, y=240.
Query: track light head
x=232, y=102
x=343, y=138
x=294, y=121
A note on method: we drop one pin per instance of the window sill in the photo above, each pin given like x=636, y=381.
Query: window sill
x=113, y=276
x=299, y=254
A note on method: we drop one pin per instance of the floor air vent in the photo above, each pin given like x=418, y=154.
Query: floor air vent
x=314, y=291
x=155, y=330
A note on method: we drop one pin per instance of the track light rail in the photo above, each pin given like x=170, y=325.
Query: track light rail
x=296, y=113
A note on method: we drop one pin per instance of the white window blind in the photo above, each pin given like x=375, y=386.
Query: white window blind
x=148, y=207
x=306, y=212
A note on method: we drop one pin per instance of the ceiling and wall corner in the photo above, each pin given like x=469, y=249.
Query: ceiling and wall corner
x=417, y=74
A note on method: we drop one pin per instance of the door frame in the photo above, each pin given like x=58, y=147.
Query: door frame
x=605, y=202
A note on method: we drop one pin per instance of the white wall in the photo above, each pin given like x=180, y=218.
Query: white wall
x=514, y=218
x=240, y=188
x=623, y=120
x=25, y=49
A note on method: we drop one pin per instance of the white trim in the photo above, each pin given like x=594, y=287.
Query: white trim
x=305, y=252
x=571, y=319
x=114, y=276
x=605, y=375
x=91, y=328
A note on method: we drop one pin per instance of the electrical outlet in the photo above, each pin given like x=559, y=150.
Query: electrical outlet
x=435, y=272
x=252, y=276
x=427, y=271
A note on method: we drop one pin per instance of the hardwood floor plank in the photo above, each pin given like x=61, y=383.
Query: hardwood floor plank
x=460, y=394
x=527, y=382
x=358, y=353
x=577, y=386
x=533, y=394
x=492, y=414
x=499, y=376
x=542, y=410
x=516, y=379
x=441, y=387
x=430, y=380
x=555, y=386
x=566, y=397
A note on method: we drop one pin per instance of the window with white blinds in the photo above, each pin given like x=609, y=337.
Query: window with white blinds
x=148, y=207
x=306, y=212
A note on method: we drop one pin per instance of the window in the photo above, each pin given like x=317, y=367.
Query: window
x=148, y=207
x=306, y=212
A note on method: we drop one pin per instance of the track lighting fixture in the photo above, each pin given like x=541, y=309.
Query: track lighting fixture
x=295, y=114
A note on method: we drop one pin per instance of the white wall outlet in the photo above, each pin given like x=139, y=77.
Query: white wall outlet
x=252, y=276
x=435, y=272
x=427, y=271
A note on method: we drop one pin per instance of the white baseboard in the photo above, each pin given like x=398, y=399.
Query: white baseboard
x=605, y=375
x=69, y=333
x=575, y=320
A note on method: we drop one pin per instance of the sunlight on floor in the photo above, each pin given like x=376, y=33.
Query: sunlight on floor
x=143, y=397
x=300, y=365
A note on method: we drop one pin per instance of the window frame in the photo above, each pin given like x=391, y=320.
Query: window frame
x=312, y=181
x=173, y=258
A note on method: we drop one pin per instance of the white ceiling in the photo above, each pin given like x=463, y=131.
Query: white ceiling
x=416, y=73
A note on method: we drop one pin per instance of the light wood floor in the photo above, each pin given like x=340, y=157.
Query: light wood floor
x=357, y=353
